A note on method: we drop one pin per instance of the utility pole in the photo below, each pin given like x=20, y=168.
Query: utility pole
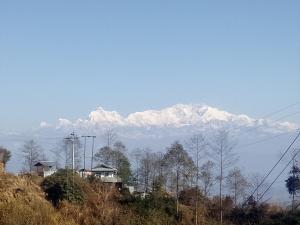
x=197, y=180
x=72, y=137
x=293, y=194
x=92, y=159
x=84, y=148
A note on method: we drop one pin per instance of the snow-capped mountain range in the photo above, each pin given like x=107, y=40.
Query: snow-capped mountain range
x=177, y=117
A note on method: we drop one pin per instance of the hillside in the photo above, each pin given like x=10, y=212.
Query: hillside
x=23, y=202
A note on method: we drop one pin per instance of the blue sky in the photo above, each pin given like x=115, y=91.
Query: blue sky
x=65, y=58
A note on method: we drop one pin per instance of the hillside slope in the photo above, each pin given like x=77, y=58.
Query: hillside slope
x=23, y=202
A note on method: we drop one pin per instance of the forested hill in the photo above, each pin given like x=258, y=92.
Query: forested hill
x=64, y=199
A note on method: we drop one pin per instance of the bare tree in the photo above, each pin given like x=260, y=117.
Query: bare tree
x=119, y=146
x=197, y=145
x=207, y=176
x=32, y=153
x=136, y=156
x=236, y=184
x=110, y=137
x=224, y=158
x=256, y=180
x=146, y=173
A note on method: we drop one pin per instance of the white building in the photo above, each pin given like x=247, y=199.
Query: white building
x=45, y=168
x=107, y=174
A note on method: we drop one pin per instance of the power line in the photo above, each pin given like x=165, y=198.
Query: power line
x=280, y=110
x=268, y=115
x=72, y=137
x=285, y=152
x=279, y=174
x=263, y=140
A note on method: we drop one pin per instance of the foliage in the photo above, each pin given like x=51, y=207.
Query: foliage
x=262, y=214
x=23, y=203
x=188, y=196
x=64, y=185
x=115, y=157
x=155, y=202
x=293, y=181
x=179, y=164
x=6, y=155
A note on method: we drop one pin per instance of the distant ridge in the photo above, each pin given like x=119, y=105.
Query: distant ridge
x=176, y=116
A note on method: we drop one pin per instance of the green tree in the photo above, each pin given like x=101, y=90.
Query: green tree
x=5, y=155
x=64, y=185
x=293, y=183
x=178, y=162
x=115, y=157
x=123, y=167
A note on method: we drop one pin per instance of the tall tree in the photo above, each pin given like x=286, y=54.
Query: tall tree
x=207, y=176
x=236, y=184
x=178, y=162
x=197, y=145
x=110, y=137
x=136, y=156
x=147, y=174
x=293, y=183
x=32, y=153
x=222, y=153
x=255, y=181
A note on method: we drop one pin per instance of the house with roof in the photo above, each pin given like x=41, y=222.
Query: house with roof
x=45, y=168
x=107, y=174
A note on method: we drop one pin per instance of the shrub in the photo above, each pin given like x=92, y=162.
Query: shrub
x=64, y=185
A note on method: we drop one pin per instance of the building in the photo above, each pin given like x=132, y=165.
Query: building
x=107, y=174
x=45, y=168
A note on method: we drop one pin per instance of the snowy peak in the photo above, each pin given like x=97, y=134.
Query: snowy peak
x=101, y=116
x=177, y=116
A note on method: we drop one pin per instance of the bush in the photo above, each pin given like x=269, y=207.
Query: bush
x=64, y=185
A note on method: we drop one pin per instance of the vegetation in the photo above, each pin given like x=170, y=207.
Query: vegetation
x=176, y=190
x=32, y=152
x=23, y=203
x=116, y=158
x=64, y=185
x=6, y=155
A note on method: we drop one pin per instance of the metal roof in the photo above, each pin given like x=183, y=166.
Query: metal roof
x=45, y=163
x=104, y=168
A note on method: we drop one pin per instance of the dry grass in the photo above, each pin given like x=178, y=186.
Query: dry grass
x=23, y=203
